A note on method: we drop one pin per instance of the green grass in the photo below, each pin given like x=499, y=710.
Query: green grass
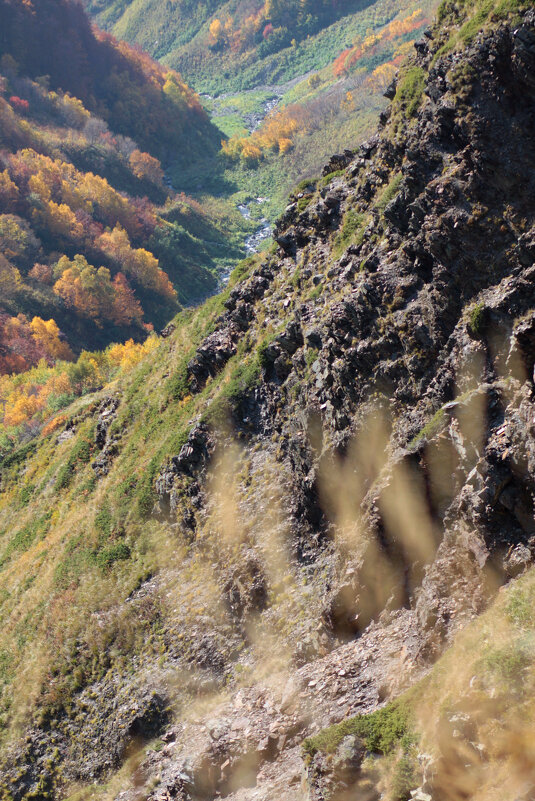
x=104, y=521
x=520, y=607
x=24, y=537
x=381, y=731
x=238, y=83
x=114, y=553
x=430, y=430
x=25, y=494
x=351, y=232
x=303, y=203
x=315, y=293
x=326, y=179
x=467, y=17
x=80, y=454
x=242, y=374
x=409, y=93
x=306, y=185
x=389, y=192
x=508, y=662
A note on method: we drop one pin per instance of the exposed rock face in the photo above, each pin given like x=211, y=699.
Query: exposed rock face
x=427, y=314
x=105, y=442
x=401, y=301
x=393, y=316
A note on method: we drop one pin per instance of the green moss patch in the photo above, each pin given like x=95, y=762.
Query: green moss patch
x=477, y=319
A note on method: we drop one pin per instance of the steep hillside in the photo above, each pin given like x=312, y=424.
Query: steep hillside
x=132, y=93
x=264, y=561
x=91, y=237
x=246, y=42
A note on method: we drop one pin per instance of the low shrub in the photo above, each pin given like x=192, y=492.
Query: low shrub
x=381, y=731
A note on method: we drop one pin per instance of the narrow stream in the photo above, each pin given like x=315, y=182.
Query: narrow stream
x=253, y=241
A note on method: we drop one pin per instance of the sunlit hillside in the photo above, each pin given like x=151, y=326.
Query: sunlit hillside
x=95, y=246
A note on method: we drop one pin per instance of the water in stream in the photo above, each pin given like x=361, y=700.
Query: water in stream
x=254, y=240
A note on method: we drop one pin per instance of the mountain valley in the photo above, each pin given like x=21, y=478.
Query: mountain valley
x=282, y=549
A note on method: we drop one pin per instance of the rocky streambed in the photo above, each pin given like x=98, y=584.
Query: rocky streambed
x=264, y=230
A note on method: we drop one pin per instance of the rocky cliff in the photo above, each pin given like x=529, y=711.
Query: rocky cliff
x=353, y=478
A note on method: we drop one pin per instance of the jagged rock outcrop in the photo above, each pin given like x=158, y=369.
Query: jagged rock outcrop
x=105, y=441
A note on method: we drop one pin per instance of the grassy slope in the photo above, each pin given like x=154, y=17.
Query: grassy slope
x=71, y=545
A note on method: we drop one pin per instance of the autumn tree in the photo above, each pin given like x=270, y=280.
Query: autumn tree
x=382, y=76
x=277, y=133
x=348, y=103
x=217, y=35
x=146, y=167
x=42, y=273
x=24, y=344
x=19, y=104
x=48, y=336
x=10, y=278
x=136, y=262
x=9, y=193
x=72, y=109
x=59, y=220
x=18, y=242
x=85, y=288
x=126, y=308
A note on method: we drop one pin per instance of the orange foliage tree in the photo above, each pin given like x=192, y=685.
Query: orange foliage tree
x=24, y=344
x=84, y=288
x=146, y=167
x=277, y=133
x=216, y=33
x=93, y=294
x=136, y=262
x=58, y=193
x=348, y=58
x=48, y=336
x=126, y=308
x=33, y=397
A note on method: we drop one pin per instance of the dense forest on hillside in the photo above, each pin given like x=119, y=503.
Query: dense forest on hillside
x=127, y=89
x=93, y=242
x=238, y=45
